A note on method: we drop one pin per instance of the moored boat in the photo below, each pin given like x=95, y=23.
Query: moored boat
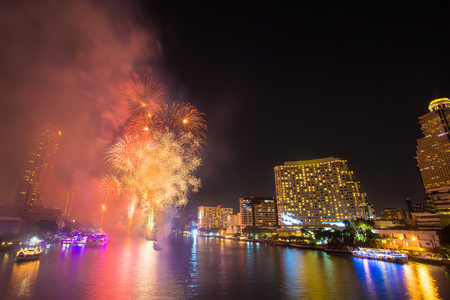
x=96, y=240
x=67, y=239
x=381, y=254
x=28, y=254
x=156, y=246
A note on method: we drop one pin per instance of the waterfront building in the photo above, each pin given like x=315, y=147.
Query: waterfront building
x=213, y=217
x=411, y=240
x=394, y=213
x=318, y=192
x=31, y=192
x=433, y=157
x=258, y=211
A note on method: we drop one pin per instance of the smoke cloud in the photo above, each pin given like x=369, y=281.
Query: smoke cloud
x=61, y=63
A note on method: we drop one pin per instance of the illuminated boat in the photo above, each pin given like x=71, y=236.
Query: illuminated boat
x=156, y=246
x=28, y=254
x=379, y=254
x=80, y=239
x=96, y=240
x=67, y=239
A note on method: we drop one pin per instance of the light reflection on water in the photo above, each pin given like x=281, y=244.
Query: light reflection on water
x=205, y=268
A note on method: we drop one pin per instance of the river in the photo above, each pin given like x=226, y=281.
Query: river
x=192, y=267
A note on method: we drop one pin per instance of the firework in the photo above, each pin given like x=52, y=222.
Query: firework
x=110, y=188
x=145, y=95
x=156, y=159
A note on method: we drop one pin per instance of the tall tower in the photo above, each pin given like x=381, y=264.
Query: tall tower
x=38, y=170
x=433, y=157
x=433, y=150
x=319, y=191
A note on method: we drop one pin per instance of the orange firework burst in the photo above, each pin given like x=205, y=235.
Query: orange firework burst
x=189, y=120
x=110, y=188
x=144, y=95
x=126, y=154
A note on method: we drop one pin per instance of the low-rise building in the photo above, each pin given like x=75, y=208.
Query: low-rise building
x=411, y=240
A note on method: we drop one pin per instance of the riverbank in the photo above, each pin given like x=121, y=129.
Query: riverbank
x=438, y=261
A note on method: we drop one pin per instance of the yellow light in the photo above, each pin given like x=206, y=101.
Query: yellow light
x=185, y=121
x=59, y=132
x=103, y=207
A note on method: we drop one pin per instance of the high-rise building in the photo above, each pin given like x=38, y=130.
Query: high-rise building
x=433, y=150
x=258, y=211
x=433, y=157
x=31, y=192
x=213, y=217
x=320, y=191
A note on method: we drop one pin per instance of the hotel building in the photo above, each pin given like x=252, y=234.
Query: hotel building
x=433, y=157
x=318, y=192
x=258, y=211
x=32, y=189
x=213, y=217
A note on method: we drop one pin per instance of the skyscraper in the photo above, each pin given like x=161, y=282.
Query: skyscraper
x=319, y=191
x=31, y=192
x=433, y=157
x=433, y=150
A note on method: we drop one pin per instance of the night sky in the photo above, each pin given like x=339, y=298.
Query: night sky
x=278, y=81
x=299, y=80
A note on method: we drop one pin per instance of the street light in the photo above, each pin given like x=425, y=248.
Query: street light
x=103, y=210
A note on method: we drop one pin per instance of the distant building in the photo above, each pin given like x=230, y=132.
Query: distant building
x=233, y=224
x=416, y=207
x=320, y=191
x=213, y=217
x=38, y=171
x=395, y=213
x=258, y=211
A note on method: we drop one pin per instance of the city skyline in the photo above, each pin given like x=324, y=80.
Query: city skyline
x=277, y=82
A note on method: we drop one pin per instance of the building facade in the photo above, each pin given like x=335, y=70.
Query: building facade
x=320, y=191
x=433, y=158
x=213, y=217
x=39, y=166
x=395, y=213
x=258, y=211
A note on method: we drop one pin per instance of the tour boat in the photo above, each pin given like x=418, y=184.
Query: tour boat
x=29, y=254
x=67, y=239
x=380, y=254
x=96, y=240
x=80, y=239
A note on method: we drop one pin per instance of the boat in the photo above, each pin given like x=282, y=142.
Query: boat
x=157, y=246
x=381, y=254
x=28, y=254
x=80, y=239
x=67, y=239
x=96, y=240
